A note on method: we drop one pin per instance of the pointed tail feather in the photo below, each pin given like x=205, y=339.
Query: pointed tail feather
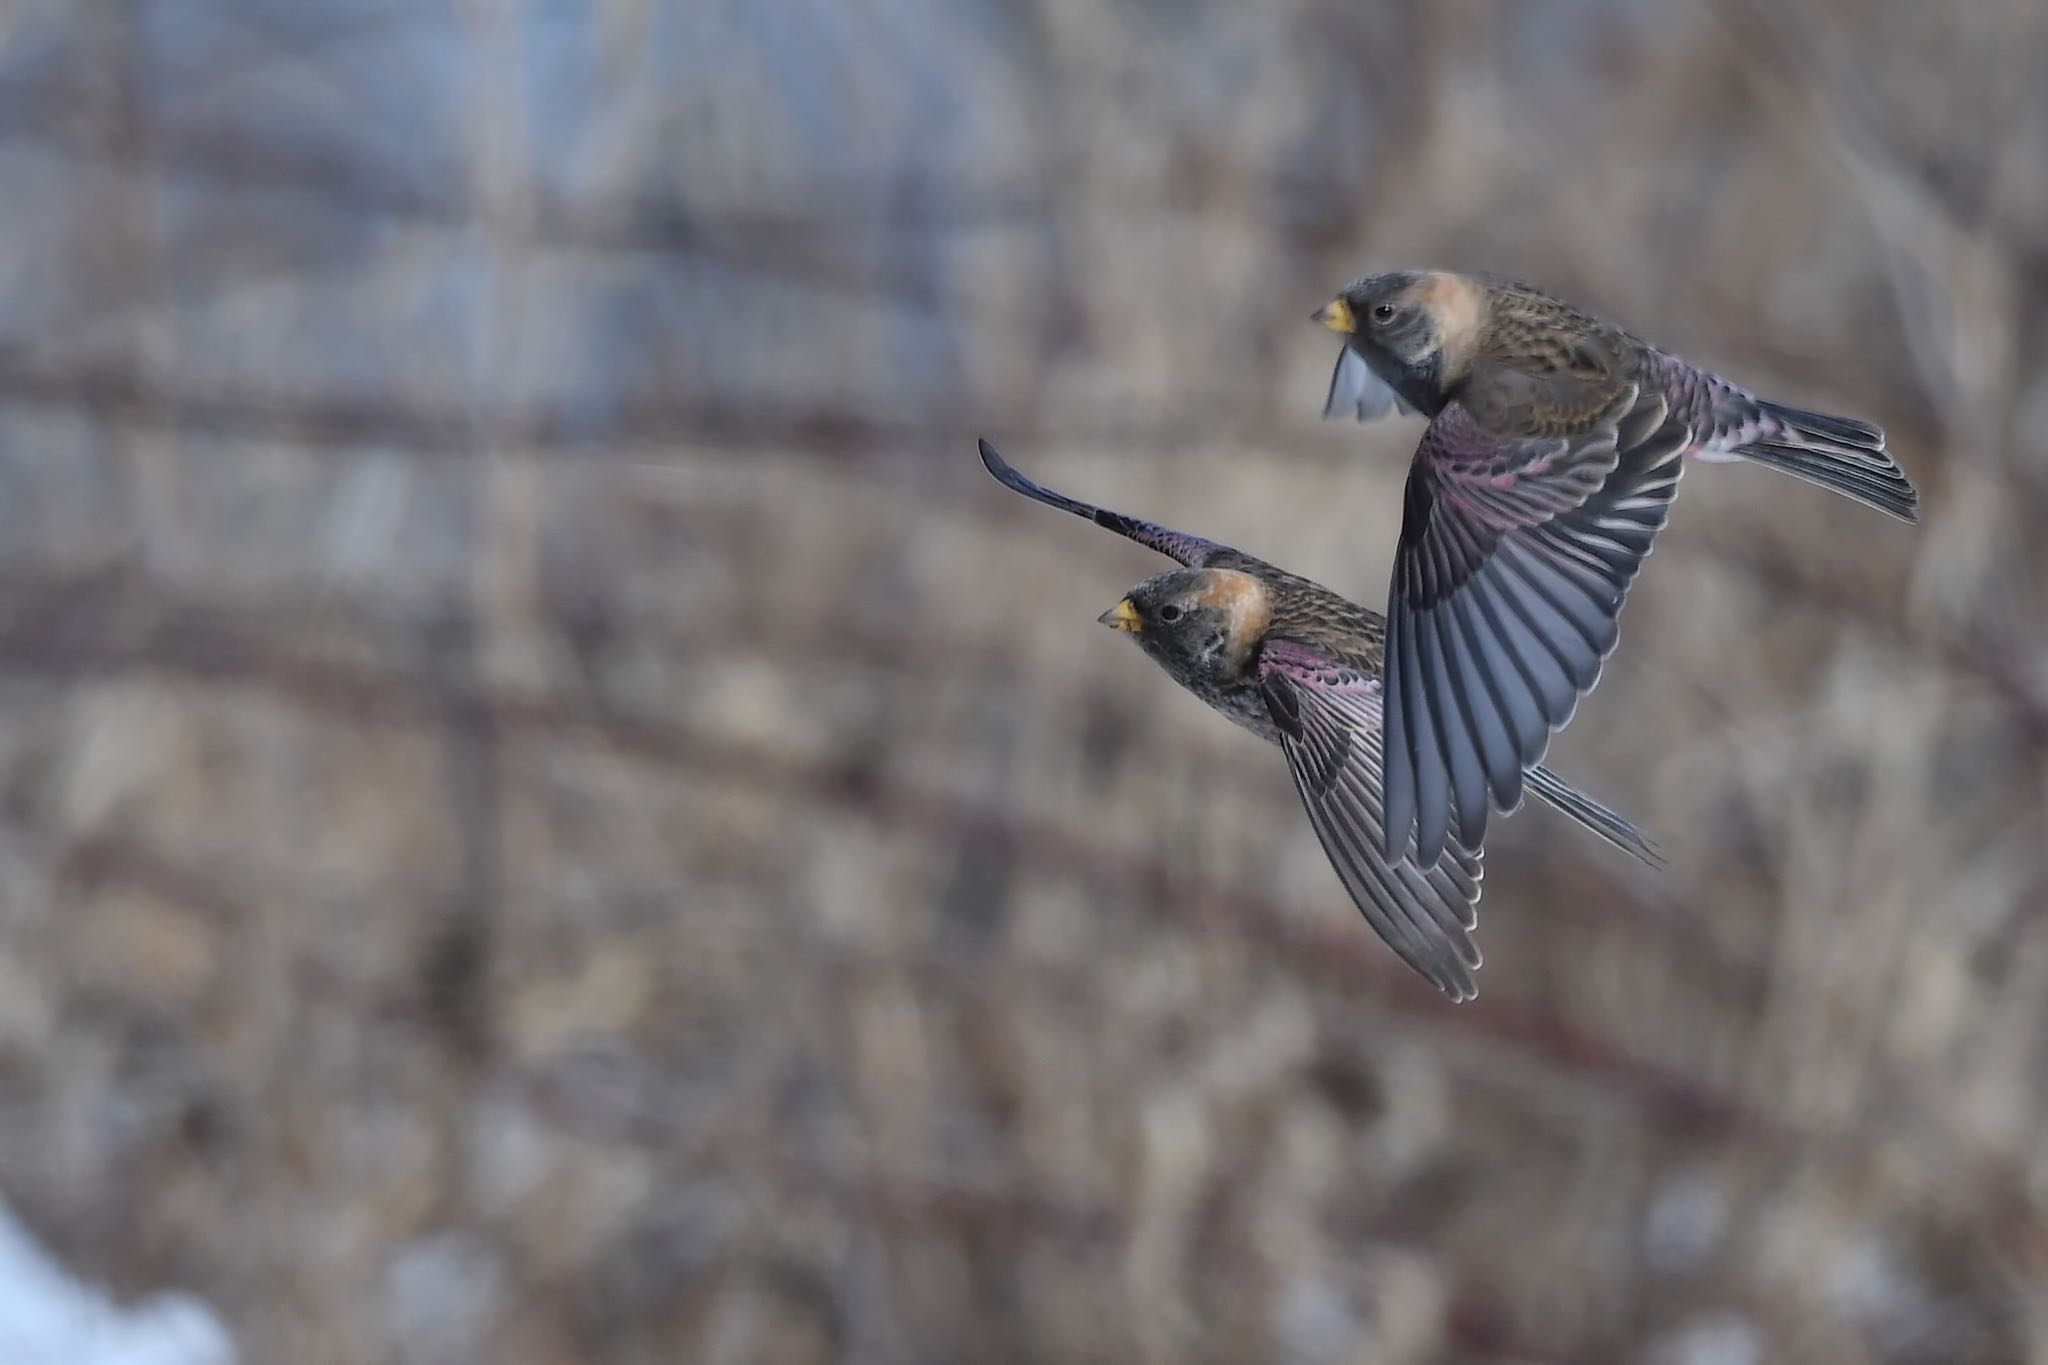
x=1550, y=788
x=1840, y=454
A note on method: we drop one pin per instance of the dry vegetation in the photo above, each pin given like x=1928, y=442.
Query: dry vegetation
x=549, y=812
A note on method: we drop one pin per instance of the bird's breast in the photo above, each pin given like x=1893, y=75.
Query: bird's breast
x=1240, y=701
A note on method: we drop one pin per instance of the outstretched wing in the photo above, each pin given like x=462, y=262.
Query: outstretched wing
x=1329, y=721
x=1516, y=553
x=1193, y=551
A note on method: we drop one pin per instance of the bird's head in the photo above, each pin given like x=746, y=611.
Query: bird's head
x=1418, y=330
x=1195, y=623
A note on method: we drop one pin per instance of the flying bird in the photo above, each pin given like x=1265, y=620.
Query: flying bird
x=1299, y=666
x=1554, y=448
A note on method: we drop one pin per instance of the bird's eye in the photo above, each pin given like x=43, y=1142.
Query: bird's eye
x=1169, y=613
x=1383, y=312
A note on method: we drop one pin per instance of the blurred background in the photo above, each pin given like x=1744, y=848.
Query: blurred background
x=551, y=812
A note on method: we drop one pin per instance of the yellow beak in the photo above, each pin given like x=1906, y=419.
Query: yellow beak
x=1123, y=616
x=1336, y=315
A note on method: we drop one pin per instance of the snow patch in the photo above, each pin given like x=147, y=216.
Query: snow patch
x=49, y=1318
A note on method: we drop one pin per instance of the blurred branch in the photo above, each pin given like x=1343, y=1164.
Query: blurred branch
x=1952, y=280
x=60, y=640
x=614, y=431
x=839, y=437
x=1998, y=661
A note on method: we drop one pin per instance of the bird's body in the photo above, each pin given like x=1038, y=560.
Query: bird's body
x=1555, y=445
x=1300, y=667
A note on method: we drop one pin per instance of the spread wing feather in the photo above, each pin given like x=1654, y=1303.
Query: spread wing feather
x=1516, y=554
x=1329, y=721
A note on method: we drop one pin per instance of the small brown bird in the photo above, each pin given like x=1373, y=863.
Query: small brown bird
x=1299, y=666
x=1554, y=448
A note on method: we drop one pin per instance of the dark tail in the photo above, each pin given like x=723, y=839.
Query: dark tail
x=1548, y=786
x=1838, y=453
